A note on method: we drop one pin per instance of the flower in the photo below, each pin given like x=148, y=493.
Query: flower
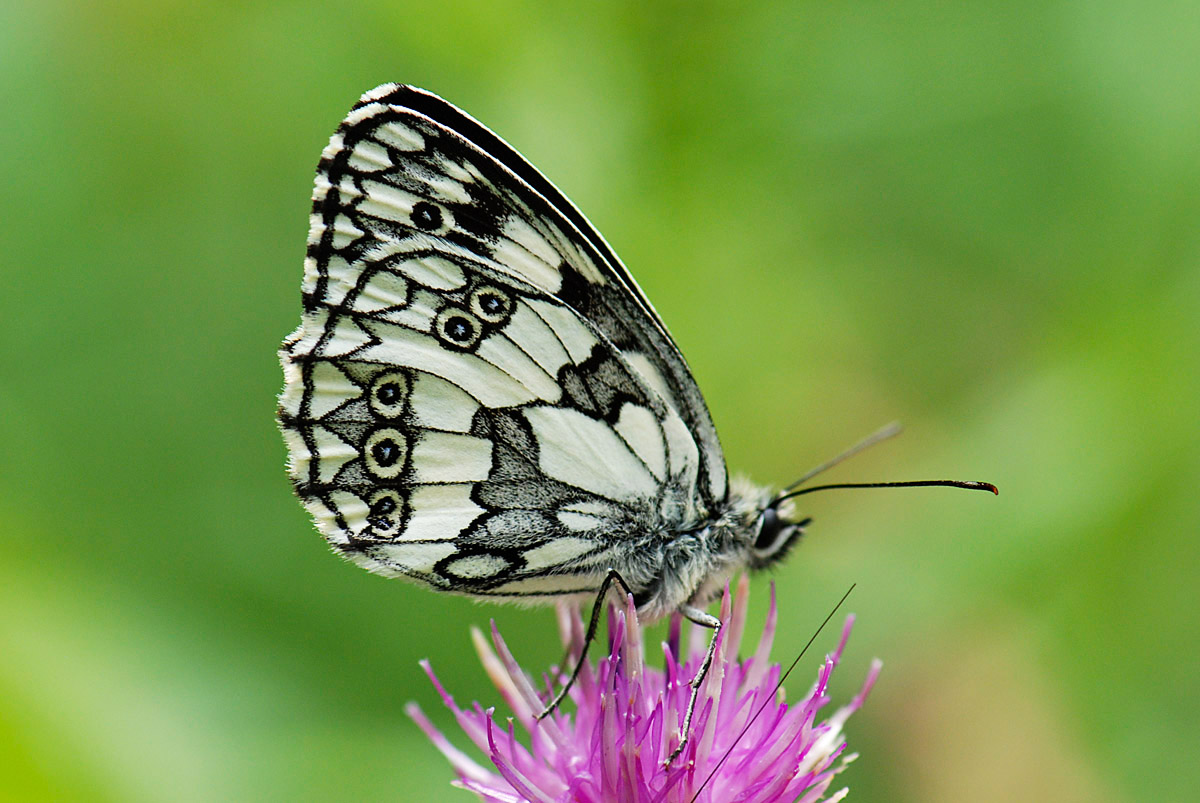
x=628, y=717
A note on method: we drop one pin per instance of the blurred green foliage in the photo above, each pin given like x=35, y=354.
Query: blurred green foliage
x=980, y=219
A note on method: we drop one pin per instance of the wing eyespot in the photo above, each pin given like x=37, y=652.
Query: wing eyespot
x=389, y=393
x=386, y=510
x=427, y=217
x=385, y=452
x=491, y=304
x=457, y=329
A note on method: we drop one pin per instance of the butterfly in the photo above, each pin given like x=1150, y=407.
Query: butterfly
x=480, y=398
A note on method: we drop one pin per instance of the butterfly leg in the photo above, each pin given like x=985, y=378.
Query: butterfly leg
x=704, y=620
x=594, y=623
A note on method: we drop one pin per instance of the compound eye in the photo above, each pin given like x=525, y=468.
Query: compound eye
x=772, y=526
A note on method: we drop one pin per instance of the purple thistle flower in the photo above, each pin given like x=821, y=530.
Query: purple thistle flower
x=627, y=719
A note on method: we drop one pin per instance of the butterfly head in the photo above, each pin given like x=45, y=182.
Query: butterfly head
x=767, y=526
x=778, y=531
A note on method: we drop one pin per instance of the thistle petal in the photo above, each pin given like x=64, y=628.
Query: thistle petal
x=747, y=745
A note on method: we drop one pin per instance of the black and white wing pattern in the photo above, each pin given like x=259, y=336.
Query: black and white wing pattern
x=479, y=397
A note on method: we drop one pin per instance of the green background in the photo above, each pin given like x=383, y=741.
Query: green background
x=979, y=219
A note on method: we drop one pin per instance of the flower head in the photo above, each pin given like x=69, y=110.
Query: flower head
x=628, y=716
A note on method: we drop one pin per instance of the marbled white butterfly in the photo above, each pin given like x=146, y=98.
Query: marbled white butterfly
x=480, y=398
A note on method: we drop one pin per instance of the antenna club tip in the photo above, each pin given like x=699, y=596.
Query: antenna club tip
x=987, y=486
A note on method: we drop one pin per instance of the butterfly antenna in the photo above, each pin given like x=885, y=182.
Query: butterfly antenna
x=889, y=431
x=767, y=700
x=968, y=484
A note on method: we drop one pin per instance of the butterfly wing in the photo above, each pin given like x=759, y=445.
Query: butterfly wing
x=479, y=397
x=594, y=282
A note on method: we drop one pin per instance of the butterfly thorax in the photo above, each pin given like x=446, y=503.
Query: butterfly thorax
x=740, y=534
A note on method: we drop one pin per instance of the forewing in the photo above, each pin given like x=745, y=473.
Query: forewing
x=450, y=415
x=526, y=211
